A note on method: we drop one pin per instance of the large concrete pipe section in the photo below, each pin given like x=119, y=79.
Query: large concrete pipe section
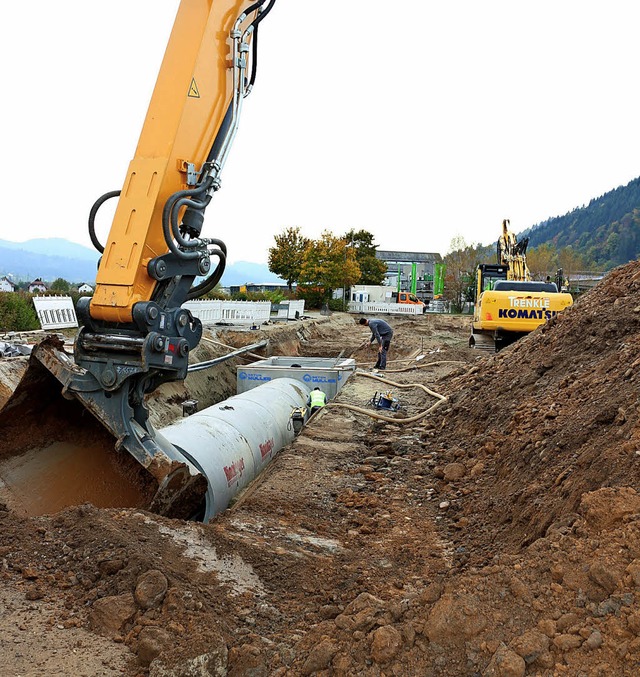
x=231, y=442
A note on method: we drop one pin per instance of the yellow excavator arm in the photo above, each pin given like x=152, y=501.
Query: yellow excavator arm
x=135, y=334
x=513, y=254
x=192, y=117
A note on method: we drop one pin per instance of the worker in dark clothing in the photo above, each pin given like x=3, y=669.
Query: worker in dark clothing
x=316, y=400
x=381, y=333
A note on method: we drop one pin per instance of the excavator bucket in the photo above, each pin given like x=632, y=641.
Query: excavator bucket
x=57, y=451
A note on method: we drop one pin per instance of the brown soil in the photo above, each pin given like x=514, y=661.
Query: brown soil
x=497, y=535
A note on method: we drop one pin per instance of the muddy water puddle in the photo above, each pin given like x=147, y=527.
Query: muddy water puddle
x=45, y=480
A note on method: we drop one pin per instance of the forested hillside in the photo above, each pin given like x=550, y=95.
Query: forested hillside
x=606, y=232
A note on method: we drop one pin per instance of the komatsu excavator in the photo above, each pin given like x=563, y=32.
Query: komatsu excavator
x=509, y=304
x=134, y=333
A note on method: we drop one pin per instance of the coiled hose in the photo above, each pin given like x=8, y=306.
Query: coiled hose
x=379, y=417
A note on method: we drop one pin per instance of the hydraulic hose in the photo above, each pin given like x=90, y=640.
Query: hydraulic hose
x=254, y=48
x=210, y=282
x=92, y=218
x=169, y=227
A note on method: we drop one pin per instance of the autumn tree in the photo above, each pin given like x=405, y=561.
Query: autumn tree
x=372, y=269
x=542, y=261
x=286, y=258
x=461, y=261
x=570, y=261
x=329, y=264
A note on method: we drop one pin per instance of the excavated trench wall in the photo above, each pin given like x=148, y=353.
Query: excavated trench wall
x=311, y=338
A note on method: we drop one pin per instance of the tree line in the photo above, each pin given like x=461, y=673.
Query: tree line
x=317, y=267
x=543, y=261
x=605, y=233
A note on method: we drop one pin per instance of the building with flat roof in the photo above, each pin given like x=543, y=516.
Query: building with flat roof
x=421, y=273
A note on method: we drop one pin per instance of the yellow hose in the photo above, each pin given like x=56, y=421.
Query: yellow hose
x=379, y=417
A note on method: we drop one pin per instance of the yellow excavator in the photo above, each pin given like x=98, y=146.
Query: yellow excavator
x=134, y=333
x=508, y=304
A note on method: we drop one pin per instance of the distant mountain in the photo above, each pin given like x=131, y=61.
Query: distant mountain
x=50, y=258
x=606, y=232
x=54, y=246
x=243, y=272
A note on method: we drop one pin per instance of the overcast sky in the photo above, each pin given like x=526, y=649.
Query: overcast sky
x=418, y=121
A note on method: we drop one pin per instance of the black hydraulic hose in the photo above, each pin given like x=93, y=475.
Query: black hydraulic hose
x=166, y=217
x=175, y=225
x=252, y=8
x=210, y=282
x=220, y=244
x=92, y=218
x=263, y=14
x=255, y=23
x=254, y=57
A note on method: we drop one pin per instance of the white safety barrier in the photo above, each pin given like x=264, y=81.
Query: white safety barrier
x=232, y=312
x=380, y=307
x=290, y=310
x=55, y=312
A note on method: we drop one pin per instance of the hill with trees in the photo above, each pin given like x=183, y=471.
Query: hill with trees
x=604, y=234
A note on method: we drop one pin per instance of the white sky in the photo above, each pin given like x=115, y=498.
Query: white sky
x=418, y=121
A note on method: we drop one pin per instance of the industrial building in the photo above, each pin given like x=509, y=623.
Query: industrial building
x=421, y=273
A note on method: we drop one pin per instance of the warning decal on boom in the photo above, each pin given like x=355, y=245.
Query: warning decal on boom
x=194, y=93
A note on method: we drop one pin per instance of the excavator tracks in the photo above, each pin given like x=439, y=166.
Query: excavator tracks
x=482, y=342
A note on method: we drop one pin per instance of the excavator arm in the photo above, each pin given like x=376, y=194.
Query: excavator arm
x=155, y=238
x=513, y=254
x=135, y=335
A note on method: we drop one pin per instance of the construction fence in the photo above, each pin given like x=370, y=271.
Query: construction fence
x=230, y=312
x=380, y=308
x=55, y=312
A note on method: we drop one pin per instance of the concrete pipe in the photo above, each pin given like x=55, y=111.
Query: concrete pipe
x=231, y=442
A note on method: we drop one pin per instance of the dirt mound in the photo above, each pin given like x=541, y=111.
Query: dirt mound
x=552, y=418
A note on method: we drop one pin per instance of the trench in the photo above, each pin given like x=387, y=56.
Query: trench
x=54, y=454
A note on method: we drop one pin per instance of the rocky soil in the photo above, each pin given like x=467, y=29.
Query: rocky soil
x=495, y=535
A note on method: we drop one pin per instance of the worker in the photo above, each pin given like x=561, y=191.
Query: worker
x=317, y=399
x=381, y=333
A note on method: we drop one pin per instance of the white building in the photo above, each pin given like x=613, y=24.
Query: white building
x=85, y=288
x=6, y=284
x=37, y=286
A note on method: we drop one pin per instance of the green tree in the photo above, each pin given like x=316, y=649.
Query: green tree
x=286, y=258
x=17, y=312
x=372, y=269
x=328, y=264
x=60, y=285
